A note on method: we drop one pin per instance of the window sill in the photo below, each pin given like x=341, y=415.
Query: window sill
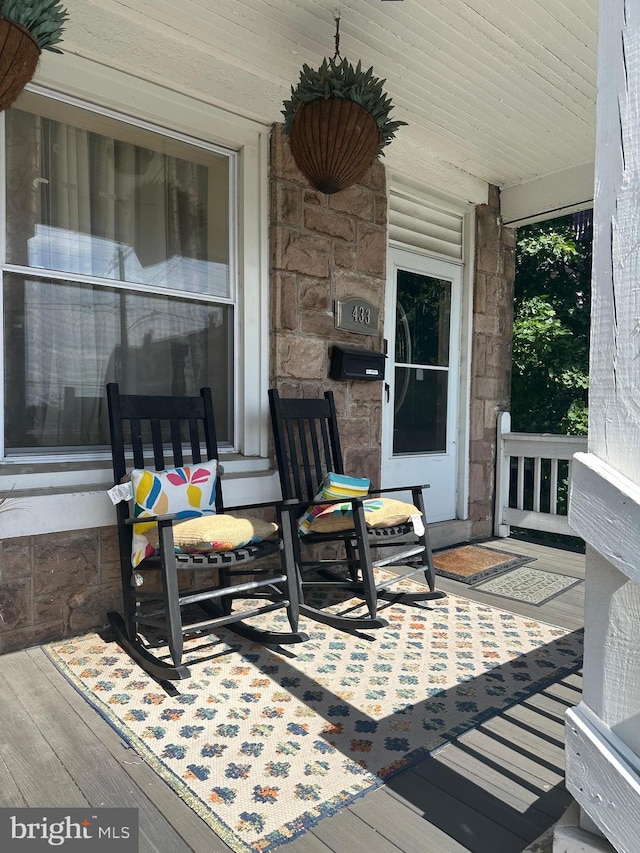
x=54, y=498
x=34, y=478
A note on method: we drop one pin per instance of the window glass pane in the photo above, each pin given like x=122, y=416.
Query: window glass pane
x=422, y=319
x=116, y=202
x=420, y=421
x=64, y=341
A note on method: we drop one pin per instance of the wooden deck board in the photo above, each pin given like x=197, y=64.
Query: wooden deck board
x=467, y=790
x=496, y=788
x=35, y=768
x=437, y=819
x=96, y=775
x=144, y=789
x=11, y=796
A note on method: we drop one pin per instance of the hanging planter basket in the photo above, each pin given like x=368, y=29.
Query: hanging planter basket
x=334, y=141
x=19, y=55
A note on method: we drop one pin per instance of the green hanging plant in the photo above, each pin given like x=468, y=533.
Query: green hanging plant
x=44, y=20
x=342, y=80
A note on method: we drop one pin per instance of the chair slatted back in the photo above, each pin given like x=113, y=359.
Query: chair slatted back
x=160, y=432
x=307, y=443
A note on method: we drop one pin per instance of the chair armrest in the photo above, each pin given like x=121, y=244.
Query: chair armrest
x=263, y=505
x=399, y=489
x=147, y=518
x=293, y=504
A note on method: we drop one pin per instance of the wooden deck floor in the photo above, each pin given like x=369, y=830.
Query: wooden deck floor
x=496, y=789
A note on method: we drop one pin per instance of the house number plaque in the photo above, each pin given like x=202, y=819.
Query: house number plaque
x=357, y=315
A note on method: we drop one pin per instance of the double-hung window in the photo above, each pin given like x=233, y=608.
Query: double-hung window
x=119, y=265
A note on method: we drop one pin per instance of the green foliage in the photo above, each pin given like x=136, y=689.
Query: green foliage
x=551, y=329
x=342, y=80
x=43, y=18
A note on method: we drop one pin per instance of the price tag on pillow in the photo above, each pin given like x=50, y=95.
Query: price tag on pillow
x=121, y=492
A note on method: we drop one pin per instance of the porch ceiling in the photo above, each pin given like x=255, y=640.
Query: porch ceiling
x=501, y=92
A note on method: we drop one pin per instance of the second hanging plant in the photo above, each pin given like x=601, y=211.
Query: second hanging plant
x=338, y=121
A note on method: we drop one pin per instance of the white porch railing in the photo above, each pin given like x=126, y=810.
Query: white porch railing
x=532, y=479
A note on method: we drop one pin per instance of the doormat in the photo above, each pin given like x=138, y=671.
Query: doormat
x=264, y=742
x=532, y=586
x=473, y=563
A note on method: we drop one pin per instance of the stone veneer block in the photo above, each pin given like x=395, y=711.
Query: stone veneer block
x=16, y=558
x=314, y=294
x=372, y=250
x=284, y=301
x=329, y=223
x=302, y=357
x=358, y=284
x=344, y=255
x=356, y=201
x=302, y=253
x=15, y=604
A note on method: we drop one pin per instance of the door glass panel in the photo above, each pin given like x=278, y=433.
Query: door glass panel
x=420, y=420
x=423, y=319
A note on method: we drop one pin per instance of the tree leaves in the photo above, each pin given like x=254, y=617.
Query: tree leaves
x=551, y=329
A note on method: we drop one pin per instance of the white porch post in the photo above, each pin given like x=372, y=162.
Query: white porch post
x=603, y=732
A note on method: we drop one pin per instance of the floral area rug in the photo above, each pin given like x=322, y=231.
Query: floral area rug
x=263, y=743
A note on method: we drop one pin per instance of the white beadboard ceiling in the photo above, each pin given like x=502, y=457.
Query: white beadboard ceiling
x=494, y=90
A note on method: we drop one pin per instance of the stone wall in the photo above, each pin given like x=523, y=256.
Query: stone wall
x=491, y=355
x=62, y=584
x=325, y=248
x=57, y=585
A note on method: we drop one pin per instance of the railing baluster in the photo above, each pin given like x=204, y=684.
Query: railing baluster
x=553, y=506
x=537, y=466
x=520, y=492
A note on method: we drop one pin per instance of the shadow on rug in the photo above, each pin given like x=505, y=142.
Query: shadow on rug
x=473, y=563
x=264, y=743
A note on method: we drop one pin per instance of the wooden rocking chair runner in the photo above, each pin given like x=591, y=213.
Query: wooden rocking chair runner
x=307, y=448
x=156, y=433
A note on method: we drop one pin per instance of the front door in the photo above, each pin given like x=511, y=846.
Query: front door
x=422, y=328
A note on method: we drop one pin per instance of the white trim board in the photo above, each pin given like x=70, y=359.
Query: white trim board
x=604, y=508
x=603, y=775
x=549, y=196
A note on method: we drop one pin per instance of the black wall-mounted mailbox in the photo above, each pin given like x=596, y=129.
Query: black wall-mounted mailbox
x=356, y=364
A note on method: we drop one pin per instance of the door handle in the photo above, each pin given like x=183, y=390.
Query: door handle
x=386, y=391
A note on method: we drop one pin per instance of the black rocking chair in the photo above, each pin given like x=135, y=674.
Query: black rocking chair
x=307, y=446
x=153, y=433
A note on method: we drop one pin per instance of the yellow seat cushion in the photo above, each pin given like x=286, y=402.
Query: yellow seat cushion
x=378, y=512
x=222, y=532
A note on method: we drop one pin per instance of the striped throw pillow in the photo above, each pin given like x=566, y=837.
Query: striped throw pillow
x=335, y=487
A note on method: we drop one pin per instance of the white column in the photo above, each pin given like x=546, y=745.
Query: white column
x=603, y=732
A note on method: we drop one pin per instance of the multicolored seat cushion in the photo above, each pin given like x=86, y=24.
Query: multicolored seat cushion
x=187, y=492
x=378, y=512
x=334, y=487
x=223, y=532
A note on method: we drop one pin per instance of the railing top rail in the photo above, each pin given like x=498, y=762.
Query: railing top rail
x=543, y=446
x=544, y=437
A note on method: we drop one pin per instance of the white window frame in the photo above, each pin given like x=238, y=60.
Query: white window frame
x=181, y=117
